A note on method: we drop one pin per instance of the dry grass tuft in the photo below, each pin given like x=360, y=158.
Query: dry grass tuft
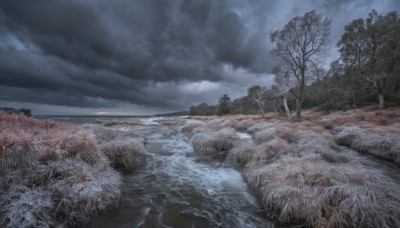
x=270, y=151
x=325, y=195
x=242, y=125
x=380, y=118
x=301, y=176
x=218, y=124
x=83, y=191
x=212, y=137
x=26, y=207
x=244, y=152
x=124, y=148
x=260, y=126
x=190, y=126
x=272, y=115
x=126, y=153
x=310, y=115
x=47, y=139
x=318, y=180
x=52, y=174
x=382, y=142
x=211, y=142
x=266, y=134
x=287, y=134
x=307, y=125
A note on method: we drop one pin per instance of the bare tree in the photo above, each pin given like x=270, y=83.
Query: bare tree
x=287, y=110
x=300, y=45
x=283, y=81
x=257, y=94
x=259, y=98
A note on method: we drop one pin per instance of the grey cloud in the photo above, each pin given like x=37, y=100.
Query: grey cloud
x=143, y=54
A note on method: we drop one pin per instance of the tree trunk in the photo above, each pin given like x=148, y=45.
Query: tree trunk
x=397, y=86
x=328, y=107
x=262, y=110
x=379, y=85
x=286, y=107
x=381, y=101
x=300, y=100
x=353, y=95
x=353, y=90
x=276, y=110
x=298, y=109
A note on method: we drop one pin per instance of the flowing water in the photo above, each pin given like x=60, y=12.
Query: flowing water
x=386, y=167
x=180, y=189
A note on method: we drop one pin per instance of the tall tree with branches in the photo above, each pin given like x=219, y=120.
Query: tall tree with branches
x=383, y=51
x=224, y=105
x=372, y=47
x=300, y=45
x=352, y=47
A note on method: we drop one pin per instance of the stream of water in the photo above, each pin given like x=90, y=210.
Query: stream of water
x=180, y=189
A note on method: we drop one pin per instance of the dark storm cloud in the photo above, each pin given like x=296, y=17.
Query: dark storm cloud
x=136, y=39
x=165, y=54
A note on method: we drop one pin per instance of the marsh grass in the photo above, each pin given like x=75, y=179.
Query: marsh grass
x=48, y=141
x=30, y=207
x=383, y=142
x=170, y=121
x=300, y=175
x=227, y=117
x=212, y=138
x=310, y=180
x=266, y=134
x=380, y=118
x=119, y=122
x=126, y=153
x=190, y=126
x=83, y=191
x=242, y=125
x=124, y=148
x=52, y=174
x=211, y=142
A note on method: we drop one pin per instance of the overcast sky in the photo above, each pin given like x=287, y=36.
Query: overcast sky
x=131, y=57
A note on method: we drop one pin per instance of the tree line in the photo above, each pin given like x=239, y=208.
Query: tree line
x=21, y=111
x=367, y=71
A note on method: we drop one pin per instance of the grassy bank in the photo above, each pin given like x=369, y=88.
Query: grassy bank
x=301, y=174
x=57, y=174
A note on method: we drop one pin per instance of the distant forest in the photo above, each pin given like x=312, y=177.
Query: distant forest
x=367, y=72
x=22, y=111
